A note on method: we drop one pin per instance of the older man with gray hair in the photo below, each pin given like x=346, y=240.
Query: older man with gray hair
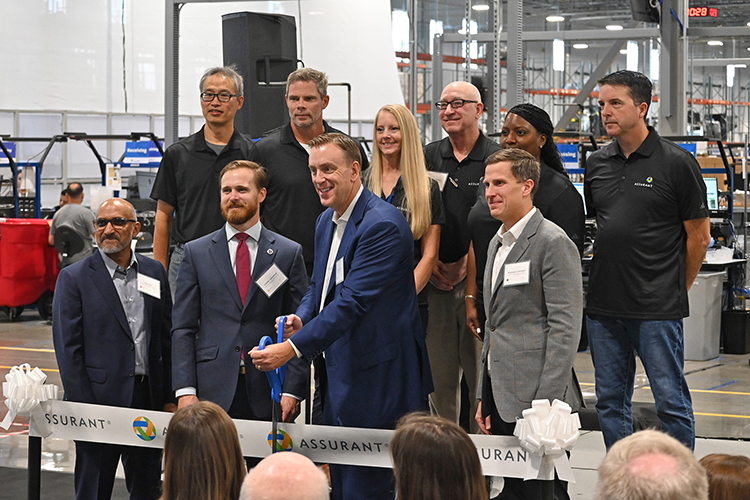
x=651, y=465
x=285, y=475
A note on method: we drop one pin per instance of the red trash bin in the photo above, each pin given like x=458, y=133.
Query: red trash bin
x=28, y=266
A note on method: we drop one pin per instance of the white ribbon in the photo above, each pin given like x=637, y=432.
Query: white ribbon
x=547, y=432
x=23, y=390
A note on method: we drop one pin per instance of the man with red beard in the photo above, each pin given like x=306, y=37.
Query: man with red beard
x=231, y=286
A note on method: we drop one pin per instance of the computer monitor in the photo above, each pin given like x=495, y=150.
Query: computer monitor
x=579, y=188
x=712, y=193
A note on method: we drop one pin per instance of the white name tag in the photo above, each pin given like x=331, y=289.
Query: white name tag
x=149, y=286
x=516, y=274
x=271, y=280
x=340, y=271
x=440, y=177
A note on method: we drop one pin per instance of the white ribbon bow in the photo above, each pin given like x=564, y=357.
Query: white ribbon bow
x=547, y=432
x=23, y=390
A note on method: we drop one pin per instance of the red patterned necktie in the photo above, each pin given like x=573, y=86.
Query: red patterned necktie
x=243, y=266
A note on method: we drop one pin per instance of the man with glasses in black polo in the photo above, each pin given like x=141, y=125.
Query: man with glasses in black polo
x=111, y=329
x=186, y=184
x=459, y=162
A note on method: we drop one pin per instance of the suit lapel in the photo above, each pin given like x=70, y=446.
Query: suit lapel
x=520, y=247
x=351, y=227
x=220, y=254
x=103, y=282
x=263, y=260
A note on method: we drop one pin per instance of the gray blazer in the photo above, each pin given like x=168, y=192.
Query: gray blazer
x=533, y=330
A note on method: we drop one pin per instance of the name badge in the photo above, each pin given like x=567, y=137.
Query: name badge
x=517, y=274
x=149, y=286
x=340, y=271
x=271, y=280
x=439, y=177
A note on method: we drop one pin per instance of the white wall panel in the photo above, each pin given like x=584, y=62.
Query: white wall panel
x=71, y=52
x=41, y=125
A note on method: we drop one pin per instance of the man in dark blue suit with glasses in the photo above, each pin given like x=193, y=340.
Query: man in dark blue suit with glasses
x=111, y=332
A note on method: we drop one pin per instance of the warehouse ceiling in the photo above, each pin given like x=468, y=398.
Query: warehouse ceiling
x=589, y=15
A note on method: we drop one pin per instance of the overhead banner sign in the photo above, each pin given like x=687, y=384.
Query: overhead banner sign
x=569, y=155
x=499, y=455
x=11, y=147
x=142, y=154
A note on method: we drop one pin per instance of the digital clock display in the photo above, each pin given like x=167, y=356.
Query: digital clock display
x=703, y=12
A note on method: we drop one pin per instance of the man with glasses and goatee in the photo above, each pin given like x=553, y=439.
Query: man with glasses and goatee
x=185, y=186
x=111, y=329
x=459, y=159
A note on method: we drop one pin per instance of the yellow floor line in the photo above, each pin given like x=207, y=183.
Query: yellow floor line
x=720, y=415
x=25, y=349
x=43, y=369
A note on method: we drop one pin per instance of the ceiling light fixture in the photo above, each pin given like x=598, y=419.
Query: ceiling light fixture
x=580, y=46
x=555, y=19
x=480, y=7
x=614, y=27
x=623, y=51
x=715, y=43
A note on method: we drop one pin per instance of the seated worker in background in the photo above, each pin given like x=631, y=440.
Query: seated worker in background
x=76, y=217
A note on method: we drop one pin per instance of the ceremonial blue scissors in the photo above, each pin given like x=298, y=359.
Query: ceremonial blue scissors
x=275, y=377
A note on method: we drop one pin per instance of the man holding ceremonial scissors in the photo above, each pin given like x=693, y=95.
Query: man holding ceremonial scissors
x=360, y=312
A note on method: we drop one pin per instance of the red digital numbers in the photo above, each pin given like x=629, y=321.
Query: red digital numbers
x=703, y=12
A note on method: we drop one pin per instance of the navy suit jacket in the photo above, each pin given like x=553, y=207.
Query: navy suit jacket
x=211, y=327
x=93, y=342
x=375, y=353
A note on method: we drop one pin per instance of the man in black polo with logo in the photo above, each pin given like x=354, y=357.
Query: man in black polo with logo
x=185, y=185
x=292, y=205
x=652, y=234
x=460, y=157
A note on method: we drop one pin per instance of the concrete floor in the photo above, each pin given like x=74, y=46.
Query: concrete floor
x=720, y=389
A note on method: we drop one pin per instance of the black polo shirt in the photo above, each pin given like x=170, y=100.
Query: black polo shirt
x=641, y=203
x=292, y=204
x=188, y=179
x=397, y=198
x=459, y=192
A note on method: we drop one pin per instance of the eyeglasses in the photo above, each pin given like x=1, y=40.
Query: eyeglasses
x=455, y=103
x=223, y=97
x=117, y=222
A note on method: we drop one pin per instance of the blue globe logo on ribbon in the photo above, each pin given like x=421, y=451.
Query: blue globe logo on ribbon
x=144, y=429
x=283, y=441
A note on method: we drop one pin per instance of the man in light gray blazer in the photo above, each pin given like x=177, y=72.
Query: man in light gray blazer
x=534, y=305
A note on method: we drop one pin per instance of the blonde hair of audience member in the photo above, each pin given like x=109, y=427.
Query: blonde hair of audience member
x=202, y=456
x=434, y=459
x=650, y=465
x=413, y=169
x=728, y=476
x=285, y=475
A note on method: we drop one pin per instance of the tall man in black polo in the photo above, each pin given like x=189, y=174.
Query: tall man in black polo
x=652, y=233
x=452, y=347
x=292, y=205
x=185, y=186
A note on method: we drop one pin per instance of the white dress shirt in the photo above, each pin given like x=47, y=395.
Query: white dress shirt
x=252, y=244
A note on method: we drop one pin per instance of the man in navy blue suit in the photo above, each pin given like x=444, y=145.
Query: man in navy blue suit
x=231, y=286
x=360, y=312
x=111, y=332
